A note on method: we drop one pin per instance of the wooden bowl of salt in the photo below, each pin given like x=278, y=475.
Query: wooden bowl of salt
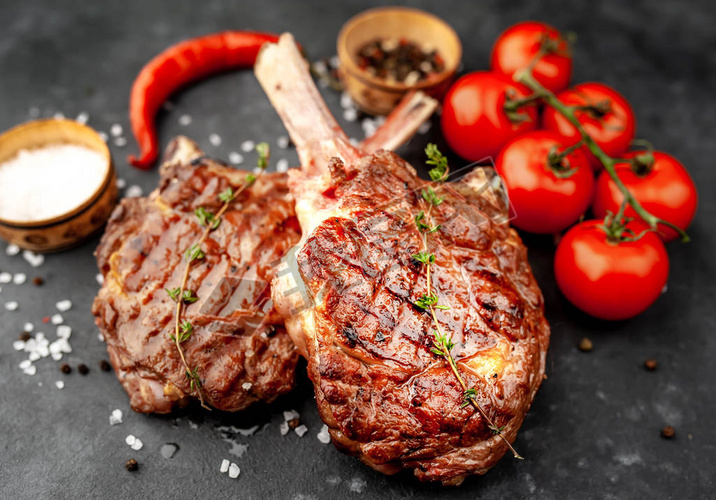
x=57, y=184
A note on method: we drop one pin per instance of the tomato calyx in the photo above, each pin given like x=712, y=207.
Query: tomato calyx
x=514, y=106
x=616, y=227
x=559, y=164
x=597, y=110
x=560, y=45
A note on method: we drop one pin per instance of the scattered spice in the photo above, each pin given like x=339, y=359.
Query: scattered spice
x=293, y=423
x=104, y=365
x=65, y=368
x=131, y=465
x=668, y=432
x=585, y=345
x=399, y=60
x=651, y=364
x=83, y=369
x=38, y=281
x=24, y=336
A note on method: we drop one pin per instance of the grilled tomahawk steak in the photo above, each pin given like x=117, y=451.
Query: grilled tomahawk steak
x=239, y=345
x=350, y=293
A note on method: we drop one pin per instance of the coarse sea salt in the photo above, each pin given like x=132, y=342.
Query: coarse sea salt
x=116, y=417
x=57, y=319
x=215, y=139
x=323, y=435
x=282, y=142
x=282, y=165
x=19, y=278
x=5, y=277
x=32, y=258
x=133, y=191
x=116, y=130
x=12, y=305
x=234, y=471
x=46, y=182
x=12, y=249
x=224, y=466
x=184, y=120
x=60, y=384
x=301, y=430
x=247, y=146
x=64, y=305
x=236, y=158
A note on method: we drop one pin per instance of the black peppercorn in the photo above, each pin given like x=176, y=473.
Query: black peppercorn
x=65, y=368
x=83, y=369
x=104, y=365
x=37, y=281
x=668, y=432
x=24, y=336
x=131, y=465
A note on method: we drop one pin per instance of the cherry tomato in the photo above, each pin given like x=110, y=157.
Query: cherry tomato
x=605, y=115
x=474, y=121
x=608, y=280
x=517, y=47
x=544, y=200
x=664, y=189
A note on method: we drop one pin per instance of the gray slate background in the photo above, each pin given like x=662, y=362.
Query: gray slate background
x=593, y=431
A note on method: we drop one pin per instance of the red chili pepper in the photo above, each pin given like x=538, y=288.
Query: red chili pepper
x=178, y=65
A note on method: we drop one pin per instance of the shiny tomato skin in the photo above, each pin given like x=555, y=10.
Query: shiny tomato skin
x=606, y=280
x=473, y=119
x=543, y=202
x=517, y=46
x=666, y=191
x=613, y=132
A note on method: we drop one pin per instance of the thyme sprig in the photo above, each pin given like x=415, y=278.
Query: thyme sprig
x=442, y=343
x=184, y=296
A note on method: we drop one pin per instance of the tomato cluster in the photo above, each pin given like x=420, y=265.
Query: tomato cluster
x=614, y=266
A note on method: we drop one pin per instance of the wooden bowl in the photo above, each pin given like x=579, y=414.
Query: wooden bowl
x=376, y=95
x=73, y=227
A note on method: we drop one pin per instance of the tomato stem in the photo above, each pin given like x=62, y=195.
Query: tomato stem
x=609, y=163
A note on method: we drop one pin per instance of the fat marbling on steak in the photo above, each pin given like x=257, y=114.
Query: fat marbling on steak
x=350, y=293
x=239, y=345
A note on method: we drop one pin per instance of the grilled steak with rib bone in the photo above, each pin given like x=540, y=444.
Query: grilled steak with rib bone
x=239, y=344
x=350, y=292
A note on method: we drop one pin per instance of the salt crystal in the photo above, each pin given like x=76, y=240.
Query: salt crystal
x=64, y=305
x=334, y=61
x=120, y=142
x=100, y=337
x=12, y=305
x=25, y=364
x=224, y=466
x=323, y=435
x=64, y=332
x=18, y=345
x=256, y=170
x=99, y=278
x=282, y=142
x=103, y=136
x=350, y=114
x=116, y=130
x=424, y=127
x=130, y=440
x=19, y=278
x=283, y=428
x=31, y=370
x=12, y=249
x=116, y=417
x=56, y=355
x=354, y=142
x=247, y=146
x=58, y=116
x=133, y=191
x=60, y=384
x=34, y=356
x=32, y=258
x=121, y=183
x=184, y=120
x=291, y=415
x=246, y=386
x=138, y=445
x=301, y=430
x=57, y=319
x=319, y=67
x=346, y=101
x=215, y=139
x=663, y=290
x=5, y=277
x=82, y=118
x=282, y=165
x=234, y=471
x=41, y=339
x=236, y=158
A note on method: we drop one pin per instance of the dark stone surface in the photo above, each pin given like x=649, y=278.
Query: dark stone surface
x=594, y=430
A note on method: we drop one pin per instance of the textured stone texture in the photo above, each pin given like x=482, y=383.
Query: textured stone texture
x=593, y=431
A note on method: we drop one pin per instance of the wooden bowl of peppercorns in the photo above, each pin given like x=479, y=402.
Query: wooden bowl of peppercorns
x=388, y=51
